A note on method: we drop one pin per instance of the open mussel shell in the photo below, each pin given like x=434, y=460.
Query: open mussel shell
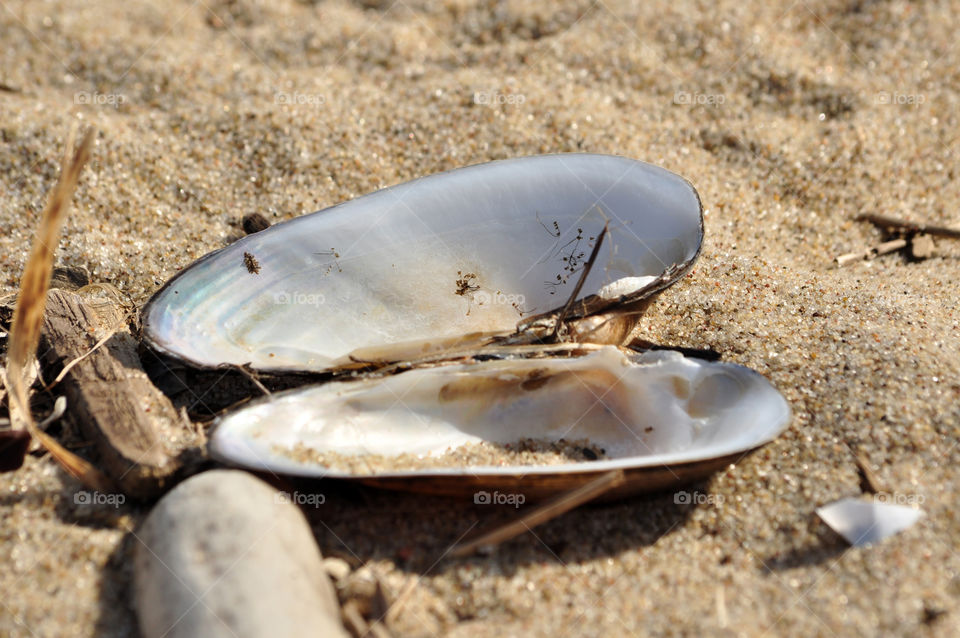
x=474, y=250
x=663, y=418
x=437, y=303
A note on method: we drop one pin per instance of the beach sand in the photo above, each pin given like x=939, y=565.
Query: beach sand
x=789, y=119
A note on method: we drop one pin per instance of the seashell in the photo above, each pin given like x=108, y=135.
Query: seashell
x=484, y=305
x=659, y=416
x=473, y=250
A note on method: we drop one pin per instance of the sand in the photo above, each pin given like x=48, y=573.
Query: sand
x=523, y=452
x=789, y=119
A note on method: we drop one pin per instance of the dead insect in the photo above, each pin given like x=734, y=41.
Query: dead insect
x=251, y=263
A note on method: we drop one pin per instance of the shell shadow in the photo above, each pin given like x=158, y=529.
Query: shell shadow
x=85, y=510
x=117, y=616
x=827, y=547
x=417, y=531
x=414, y=531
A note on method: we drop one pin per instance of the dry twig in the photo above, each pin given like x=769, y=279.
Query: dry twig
x=915, y=235
x=69, y=366
x=875, y=251
x=908, y=226
x=869, y=483
x=246, y=371
x=394, y=611
x=583, y=278
x=543, y=513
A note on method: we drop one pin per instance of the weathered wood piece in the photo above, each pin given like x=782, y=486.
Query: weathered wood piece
x=136, y=430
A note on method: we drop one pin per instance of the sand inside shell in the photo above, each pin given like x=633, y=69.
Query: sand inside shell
x=523, y=452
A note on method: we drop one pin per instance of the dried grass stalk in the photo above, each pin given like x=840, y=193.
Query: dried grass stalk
x=31, y=304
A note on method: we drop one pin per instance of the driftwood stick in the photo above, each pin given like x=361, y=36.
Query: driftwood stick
x=909, y=226
x=109, y=395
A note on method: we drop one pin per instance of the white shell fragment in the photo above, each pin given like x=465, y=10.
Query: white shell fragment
x=471, y=250
x=651, y=409
x=863, y=522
